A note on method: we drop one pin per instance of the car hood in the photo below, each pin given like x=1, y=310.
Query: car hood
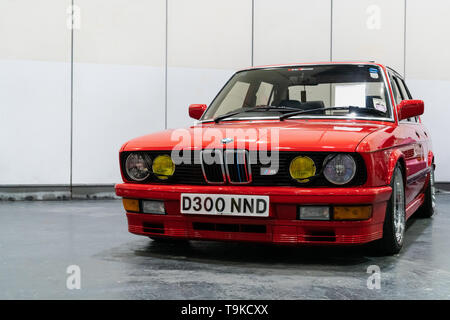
x=292, y=135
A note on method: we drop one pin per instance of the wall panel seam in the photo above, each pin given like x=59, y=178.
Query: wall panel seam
x=71, y=97
x=404, y=42
x=331, y=30
x=165, y=63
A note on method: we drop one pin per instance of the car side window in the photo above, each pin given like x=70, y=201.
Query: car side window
x=405, y=94
x=396, y=91
x=404, y=88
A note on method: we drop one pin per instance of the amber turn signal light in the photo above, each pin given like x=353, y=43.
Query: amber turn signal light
x=352, y=212
x=131, y=205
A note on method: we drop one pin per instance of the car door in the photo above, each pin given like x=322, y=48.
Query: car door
x=413, y=143
x=420, y=127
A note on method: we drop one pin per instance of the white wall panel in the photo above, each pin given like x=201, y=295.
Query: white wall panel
x=112, y=104
x=34, y=92
x=427, y=45
x=428, y=71
x=192, y=85
x=35, y=30
x=207, y=41
x=118, y=82
x=292, y=31
x=120, y=59
x=369, y=30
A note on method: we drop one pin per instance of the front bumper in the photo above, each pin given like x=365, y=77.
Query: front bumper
x=280, y=227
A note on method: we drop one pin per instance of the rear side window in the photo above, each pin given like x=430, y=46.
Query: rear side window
x=403, y=90
x=417, y=119
x=406, y=88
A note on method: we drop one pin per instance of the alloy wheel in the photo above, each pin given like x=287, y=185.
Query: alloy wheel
x=399, y=207
x=433, y=189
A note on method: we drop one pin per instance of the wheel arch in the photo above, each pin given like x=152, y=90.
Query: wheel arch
x=431, y=159
x=396, y=157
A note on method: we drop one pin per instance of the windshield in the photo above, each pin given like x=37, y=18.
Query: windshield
x=249, y=93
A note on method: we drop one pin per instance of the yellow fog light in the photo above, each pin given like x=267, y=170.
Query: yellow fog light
x=163, y=167
x=352, y=213
x=131, y=205
x=302, y=168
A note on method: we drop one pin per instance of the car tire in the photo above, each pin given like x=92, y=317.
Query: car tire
x=428, y=207
x=395, y=219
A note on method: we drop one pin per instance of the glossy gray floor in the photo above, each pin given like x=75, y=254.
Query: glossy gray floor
x=39, y=240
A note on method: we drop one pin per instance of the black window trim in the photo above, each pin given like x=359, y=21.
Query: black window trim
x=395, y=76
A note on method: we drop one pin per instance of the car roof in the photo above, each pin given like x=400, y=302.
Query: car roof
x=299, y=64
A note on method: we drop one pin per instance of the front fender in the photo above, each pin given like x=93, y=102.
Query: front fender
x=395, y=157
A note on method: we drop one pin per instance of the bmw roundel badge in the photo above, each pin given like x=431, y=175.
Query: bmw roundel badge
x=227, y=140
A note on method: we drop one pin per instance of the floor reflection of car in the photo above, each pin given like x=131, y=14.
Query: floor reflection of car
x=317, y=154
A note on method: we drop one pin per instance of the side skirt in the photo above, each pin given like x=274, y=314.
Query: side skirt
x=414, y=205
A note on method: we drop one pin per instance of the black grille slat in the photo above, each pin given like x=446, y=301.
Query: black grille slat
x=229, y=227
x=153, y=227
x=213, y=172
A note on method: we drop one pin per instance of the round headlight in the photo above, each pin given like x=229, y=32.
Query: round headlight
x=340, y=168
x=163, y=167
x=137, y=166
x=302, y=168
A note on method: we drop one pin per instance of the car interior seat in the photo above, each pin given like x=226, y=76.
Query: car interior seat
x=310, y=105
x=291, y=104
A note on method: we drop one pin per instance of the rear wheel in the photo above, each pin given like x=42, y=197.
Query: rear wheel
x=395, y=219
x=428, y=207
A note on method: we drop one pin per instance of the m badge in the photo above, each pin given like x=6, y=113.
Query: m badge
x=268, y=171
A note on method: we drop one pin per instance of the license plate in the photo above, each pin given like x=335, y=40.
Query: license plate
x=224, y=204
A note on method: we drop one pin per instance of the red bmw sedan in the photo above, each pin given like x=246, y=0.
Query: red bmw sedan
x=318, y=154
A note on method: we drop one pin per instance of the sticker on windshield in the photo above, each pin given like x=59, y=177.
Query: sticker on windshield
x=379, y=104
x=373, y=73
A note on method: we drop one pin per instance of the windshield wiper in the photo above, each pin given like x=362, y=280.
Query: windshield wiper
x=257, y=108
x=349, y=108
x=291, y=114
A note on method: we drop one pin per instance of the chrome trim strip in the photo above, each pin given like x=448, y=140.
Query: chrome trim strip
x=418, y=175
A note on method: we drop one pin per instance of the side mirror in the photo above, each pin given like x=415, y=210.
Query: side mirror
x=196, y=110
x=409, y=108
